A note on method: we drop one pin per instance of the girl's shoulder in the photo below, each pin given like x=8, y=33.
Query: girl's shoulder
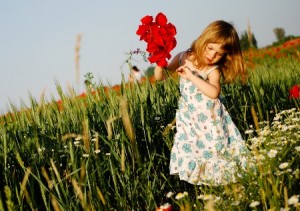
x=185, y=56
x=180, y=58
x=177, y=61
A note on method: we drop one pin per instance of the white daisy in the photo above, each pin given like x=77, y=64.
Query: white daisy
x=254, y=204
x=283, y=165
x=272, y=153
x=293, y=200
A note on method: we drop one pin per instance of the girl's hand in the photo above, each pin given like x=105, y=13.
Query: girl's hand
x=184, y=72
x=159, y=73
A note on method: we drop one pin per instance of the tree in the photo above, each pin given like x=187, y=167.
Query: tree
x=150, y=71
x=246, y=42
x=279, y=33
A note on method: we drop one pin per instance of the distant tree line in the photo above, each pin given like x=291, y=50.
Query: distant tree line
x=281, y=37
x=248, y=40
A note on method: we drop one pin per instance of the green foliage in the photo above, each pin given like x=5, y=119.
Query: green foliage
x=283, y=40
x=150, y=71
x=279, y=33
x=244, y=41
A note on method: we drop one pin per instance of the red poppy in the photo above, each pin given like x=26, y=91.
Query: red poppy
x=82, y=95
x=161, y=19
x=294, y=92
x=59, y=105
x=159, y=36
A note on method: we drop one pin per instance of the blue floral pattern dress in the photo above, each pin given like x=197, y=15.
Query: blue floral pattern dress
x=208, y=148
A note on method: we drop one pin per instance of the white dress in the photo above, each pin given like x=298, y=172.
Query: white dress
x=137, y=75
x=208, y=148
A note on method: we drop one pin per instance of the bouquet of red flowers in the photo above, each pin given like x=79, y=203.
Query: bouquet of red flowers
x=159, y=36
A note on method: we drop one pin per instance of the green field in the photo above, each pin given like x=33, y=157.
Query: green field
x=109, y=149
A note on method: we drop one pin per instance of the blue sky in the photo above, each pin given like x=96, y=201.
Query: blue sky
x=38, y=38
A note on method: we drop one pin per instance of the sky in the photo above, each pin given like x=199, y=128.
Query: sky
x=38, y=38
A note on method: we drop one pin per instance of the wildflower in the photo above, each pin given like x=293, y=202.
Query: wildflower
x=277, y=117
x=232, y=164
x=254, y=204
x=41, y=149
x=284, y=128
x=293, y=200
x=218, y=199
x=97, y=151
x=86, y=155
x=169, y=194
x=296, y=172
x=205, y=197
x=235, y=203
x=260, y=157
x=181, y=195
x=272, y=153
x=78, y=138
x=283, y=165
x=294, y=92
x=165, y=207
x=297, y=148
x=249, y=131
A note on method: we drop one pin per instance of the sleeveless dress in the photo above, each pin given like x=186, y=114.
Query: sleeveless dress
x=208, y=148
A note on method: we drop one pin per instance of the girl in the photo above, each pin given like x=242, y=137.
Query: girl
x=208, y=148
x=135, y=75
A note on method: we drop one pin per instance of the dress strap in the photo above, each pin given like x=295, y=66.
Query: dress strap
x=212, y=69
x=180, y=58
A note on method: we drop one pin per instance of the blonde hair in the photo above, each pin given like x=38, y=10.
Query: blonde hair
x=221, y=32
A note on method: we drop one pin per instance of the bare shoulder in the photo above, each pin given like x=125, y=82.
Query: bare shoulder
x=177, y=57
x=214, y=74
x=175, y=62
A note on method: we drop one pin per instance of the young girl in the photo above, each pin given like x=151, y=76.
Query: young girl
x=208, y=148
x=135, y=75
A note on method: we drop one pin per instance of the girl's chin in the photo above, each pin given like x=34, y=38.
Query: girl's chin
x=208, y=62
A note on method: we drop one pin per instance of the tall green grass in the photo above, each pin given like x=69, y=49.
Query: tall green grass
x=110, y=150
x=267, y=91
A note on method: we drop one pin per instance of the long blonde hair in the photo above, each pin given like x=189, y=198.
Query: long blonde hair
x=232, y=63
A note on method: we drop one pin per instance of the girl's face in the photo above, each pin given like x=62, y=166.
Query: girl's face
x=213, y=53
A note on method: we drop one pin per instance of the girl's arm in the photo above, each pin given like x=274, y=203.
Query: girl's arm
x=210, y=88
x=159, y=72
